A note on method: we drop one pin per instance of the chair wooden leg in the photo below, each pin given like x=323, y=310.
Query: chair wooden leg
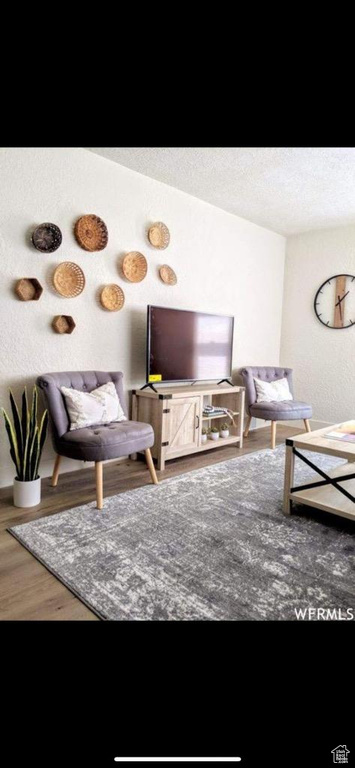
x=151, y=467
x=56, y=471
x=247, y=426
x=99, y=484
x=307, y=425
x=273, y=434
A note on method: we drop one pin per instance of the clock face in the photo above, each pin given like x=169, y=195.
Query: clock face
x=334, y=303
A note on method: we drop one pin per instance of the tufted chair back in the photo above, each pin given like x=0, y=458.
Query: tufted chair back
x=265, y=374
x=85, y=381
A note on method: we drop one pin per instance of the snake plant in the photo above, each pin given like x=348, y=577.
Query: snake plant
x=26, y=436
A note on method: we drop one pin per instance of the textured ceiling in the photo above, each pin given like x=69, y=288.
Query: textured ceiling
x=288, y=190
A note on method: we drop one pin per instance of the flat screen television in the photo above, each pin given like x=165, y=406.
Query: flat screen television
x=188, y=346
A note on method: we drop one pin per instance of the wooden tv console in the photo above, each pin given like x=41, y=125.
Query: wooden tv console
x=176, y=415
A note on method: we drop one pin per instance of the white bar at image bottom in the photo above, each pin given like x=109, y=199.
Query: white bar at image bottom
x=178, y=759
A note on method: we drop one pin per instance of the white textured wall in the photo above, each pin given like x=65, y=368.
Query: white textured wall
x=323, y=358
x=224, y=264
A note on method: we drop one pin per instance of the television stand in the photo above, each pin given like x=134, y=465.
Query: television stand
x=227, y=382
x=151, y=387
x=176, y=414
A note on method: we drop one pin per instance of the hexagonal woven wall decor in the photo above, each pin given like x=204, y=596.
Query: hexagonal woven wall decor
x=28, y=289
x=63, y=324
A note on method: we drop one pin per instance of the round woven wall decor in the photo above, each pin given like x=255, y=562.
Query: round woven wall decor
x=47, y=238
x=112, y=297
x=159, y=235
x=68, y=279
x=167, y=275
x=91, y=233
x=134, y=266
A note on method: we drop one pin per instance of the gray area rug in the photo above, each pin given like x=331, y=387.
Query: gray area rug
x=211, y=544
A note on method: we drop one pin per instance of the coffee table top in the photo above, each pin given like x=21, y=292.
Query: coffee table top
x=316, y=441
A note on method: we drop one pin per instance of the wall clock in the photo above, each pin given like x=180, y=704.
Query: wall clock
x=334, y=303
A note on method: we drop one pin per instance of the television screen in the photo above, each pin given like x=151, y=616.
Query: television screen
x=188, y=346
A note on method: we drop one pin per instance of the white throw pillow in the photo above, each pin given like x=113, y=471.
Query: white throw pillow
x=101, y=406
x=272, y=391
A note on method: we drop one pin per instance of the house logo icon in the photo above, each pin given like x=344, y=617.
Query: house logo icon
x=340, y=754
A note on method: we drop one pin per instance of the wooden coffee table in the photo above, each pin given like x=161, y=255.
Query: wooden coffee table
x=332, y=491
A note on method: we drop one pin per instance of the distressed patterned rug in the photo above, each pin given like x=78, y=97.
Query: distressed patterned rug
x=211, y=544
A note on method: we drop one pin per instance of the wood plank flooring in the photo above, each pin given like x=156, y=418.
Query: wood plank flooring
x=27, y=590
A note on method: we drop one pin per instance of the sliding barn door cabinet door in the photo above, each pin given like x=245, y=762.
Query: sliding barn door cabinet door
x=181, y=426
x=177, y=417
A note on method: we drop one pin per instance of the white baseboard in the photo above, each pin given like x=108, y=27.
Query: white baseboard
x=296, y=423
x=314, y=424
x=66, y=465
x=258, y=423
x=72, y=465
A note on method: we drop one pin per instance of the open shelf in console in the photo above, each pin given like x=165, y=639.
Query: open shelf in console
x=219, y=416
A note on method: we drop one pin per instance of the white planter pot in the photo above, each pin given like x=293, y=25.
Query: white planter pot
x=203, y=438
x=27, y=493
x=224, y=433
x=214, y=435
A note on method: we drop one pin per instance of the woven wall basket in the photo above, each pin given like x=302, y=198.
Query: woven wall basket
x=28, y=289
x=63, y=324
x=68, y=279
x=91, y=233
x=112, y=297
x=47, y=238
x=159, y=235
x=167, y=275
x=134, y=266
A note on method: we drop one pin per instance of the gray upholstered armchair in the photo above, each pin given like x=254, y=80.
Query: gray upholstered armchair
x=275, y=411
x=93, y=443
